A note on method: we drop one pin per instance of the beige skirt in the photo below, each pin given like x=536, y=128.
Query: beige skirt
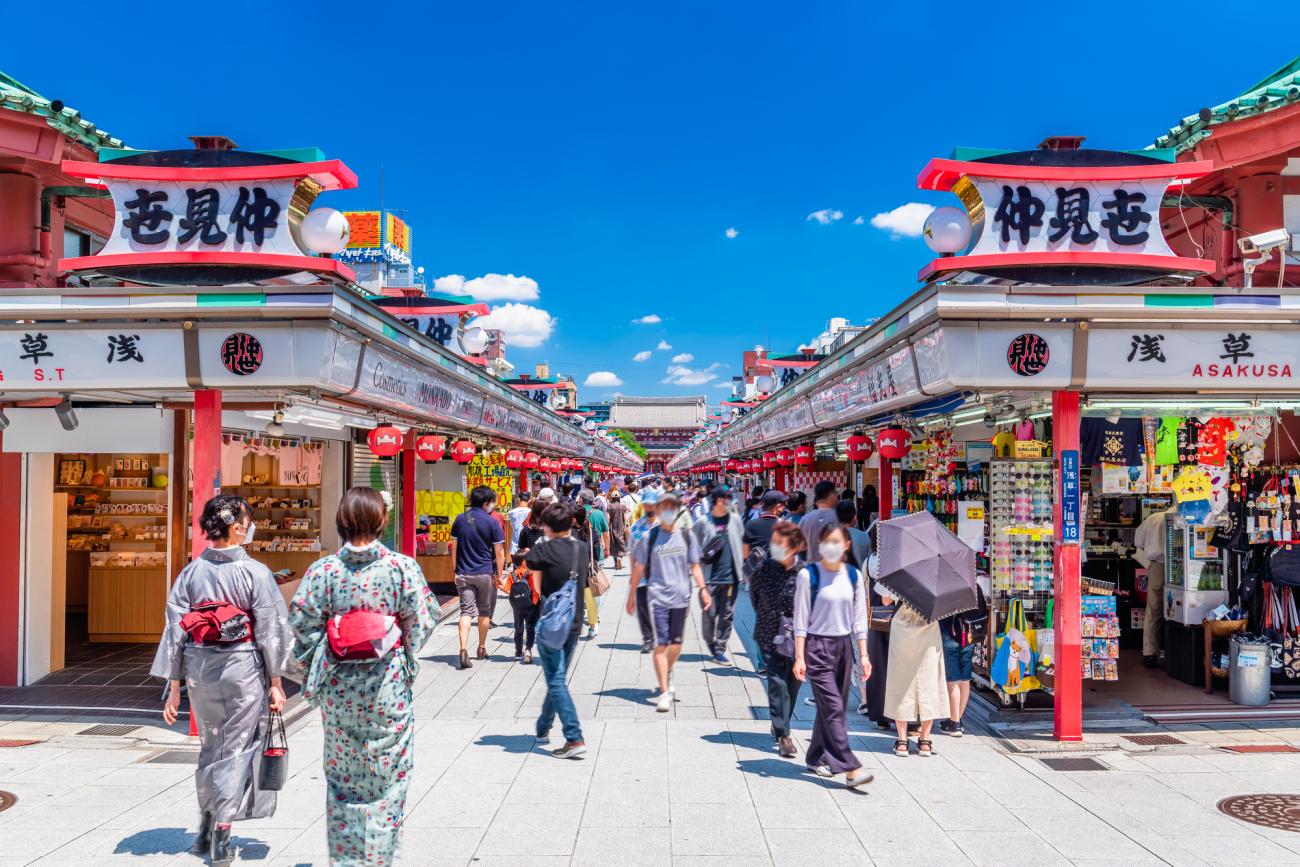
x=915, y=686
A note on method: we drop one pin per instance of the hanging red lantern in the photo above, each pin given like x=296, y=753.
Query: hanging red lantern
x=785, y=458
x=430, y=448
x=530, y=460
x=893, y=443
x=514, y=459
x=463, y=451
x=769, y=460
x=733, y=465
x=385, y=441
x=748, y=466
x=859, y=447
x=804, y=455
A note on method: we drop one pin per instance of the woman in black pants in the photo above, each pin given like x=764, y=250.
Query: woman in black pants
x=771, y=590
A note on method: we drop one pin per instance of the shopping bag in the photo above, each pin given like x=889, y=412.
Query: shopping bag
x=1013, y=661
x=275, y=756
x=1290, y=635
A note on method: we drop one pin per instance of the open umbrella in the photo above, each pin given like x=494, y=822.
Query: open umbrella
x=923, y=563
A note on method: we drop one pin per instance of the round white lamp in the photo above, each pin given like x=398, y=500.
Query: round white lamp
x=325, y=230
x=947, y=230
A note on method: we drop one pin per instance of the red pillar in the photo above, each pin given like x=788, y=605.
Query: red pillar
x=207, y=460
x=885, y=488
x=1068, y=706
x=409, y=521
x=11, y=523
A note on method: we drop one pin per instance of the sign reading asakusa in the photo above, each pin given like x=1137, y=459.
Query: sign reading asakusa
x=1227, y=357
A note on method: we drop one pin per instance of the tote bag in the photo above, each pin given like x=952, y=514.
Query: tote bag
x=556, y=620
x=1013, y=661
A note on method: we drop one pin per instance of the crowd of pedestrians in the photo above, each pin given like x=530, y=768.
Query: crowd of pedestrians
x=361, y=616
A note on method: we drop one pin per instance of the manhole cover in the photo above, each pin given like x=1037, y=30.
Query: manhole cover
x=1074, y=764
x=1260, y=748
x=17, y=743
x=1272, y=811
x=175, y=757
x=108, y=730
x=7, y=800
x=1153, y=740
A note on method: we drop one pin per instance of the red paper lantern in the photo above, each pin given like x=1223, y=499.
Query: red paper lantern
x=785, y=458
x=893, y=443
x=463, y=451
x=859, y=447
x=531, y=460
x=733, y=465
x=547, y=465
x=769, y=460
x=514, y=459
x=749, y=466
x=804, y=455
x=385, y=441
x=430, y=448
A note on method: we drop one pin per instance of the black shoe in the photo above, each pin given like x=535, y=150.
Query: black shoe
x=203, y=840
x=647, y=645
x=222, y=854
x=951, y=727
x=464, y=660
x=1151, y=661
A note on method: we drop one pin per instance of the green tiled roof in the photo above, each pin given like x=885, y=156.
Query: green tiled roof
x=16, y=96
x=1280, y=89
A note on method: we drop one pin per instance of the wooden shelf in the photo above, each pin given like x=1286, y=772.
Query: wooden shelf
x=274, y=487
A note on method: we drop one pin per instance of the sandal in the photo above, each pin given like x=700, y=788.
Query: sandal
x=925, y=747
x=482, y=653
x=900, y=748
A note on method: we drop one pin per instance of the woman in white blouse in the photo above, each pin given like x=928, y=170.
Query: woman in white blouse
x=830, y=615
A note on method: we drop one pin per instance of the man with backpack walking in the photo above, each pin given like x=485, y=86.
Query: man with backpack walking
x=669, y=559
x=719, y=533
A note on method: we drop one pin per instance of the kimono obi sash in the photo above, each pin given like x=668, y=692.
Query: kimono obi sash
x=362, y=635
x=217, y=622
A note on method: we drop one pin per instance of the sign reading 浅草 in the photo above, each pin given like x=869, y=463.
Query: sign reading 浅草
x=1234, y=356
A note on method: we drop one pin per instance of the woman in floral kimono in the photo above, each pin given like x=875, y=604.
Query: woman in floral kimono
x=365, y=703
x=233, y=678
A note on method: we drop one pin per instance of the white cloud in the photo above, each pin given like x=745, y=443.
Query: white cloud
x=489, y=287
x=664, y=344
x=602, y=379
x=681, y=375
x=643, y=355
x=732, y=232
x=524, y=325
x=684, y=358
x=904, y=221
x=825, y=216
x=727, y=385
x=648, y=319
x=858, y=221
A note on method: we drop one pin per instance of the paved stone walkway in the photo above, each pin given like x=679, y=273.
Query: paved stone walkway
x=699, y=786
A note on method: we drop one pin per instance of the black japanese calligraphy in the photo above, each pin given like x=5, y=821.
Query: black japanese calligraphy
x=1125, y=218
x=146, y=216
x=202, y=207
x=241, y=353
x=1072, y=217
x=254, y=215
x=1028, y=354
x=1237, y=347
x=1148, y=347
x=124, y=347
x=1019, y=212
x=35, y=347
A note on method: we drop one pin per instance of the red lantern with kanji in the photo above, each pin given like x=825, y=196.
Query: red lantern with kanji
x=550, y=465
x=769, y=460
x=749, y=467
x=531, y=460
x=514, y=459
x=805, y=455
x=893, y=443
x=785, y=458
x=463, y=451
x=859, y=447
x=385, y=441
x=430, y=448
x=733, y=465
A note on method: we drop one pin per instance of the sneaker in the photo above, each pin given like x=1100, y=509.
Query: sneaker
x=519, y=657
x=664, y=703
x=720, y=657
x=860, y=777
x=544, y=739
x=592, y=630
x=862, y=708
x=950, y=727
x=822, y=771
x=785, y=746
x=647, y=645
x=571, y=750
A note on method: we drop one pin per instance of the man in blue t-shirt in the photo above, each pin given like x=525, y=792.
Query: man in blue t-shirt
x=478, y=549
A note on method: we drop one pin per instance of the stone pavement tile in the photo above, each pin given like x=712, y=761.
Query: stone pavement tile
x=624, y=766
x=309, y=847
x=691, y=785
x=884, y=791
x=800, y=804
x=717, y=829
x=1251, y=849
x=1083, y=837
x=623, y=847
x=998, y=844
x=1234, y=763
x=1175, y=763
x=958, y=813
x=1208, y=789
x=172, y=806
x=1013, y=788
x=31, y=843
x=1268, y=781
x=457, y=805
x=48, y=816
x=499, y=763
x=955, y=860
x=638, y=736
x=824, y=848
x=440, y=847
x=542, y=829
x=900, y=832
x=627, y=805
x=36, y=754
x=551, y=782
x=1093, y=862
x=520, y=861
x=720, y=861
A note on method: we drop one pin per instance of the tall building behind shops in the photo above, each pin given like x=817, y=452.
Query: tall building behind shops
x=664, y=425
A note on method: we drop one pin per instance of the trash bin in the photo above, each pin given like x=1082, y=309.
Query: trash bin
x=1248, y=671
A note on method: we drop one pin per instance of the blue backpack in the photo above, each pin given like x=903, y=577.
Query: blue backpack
x=556, y=620
x=815, y=580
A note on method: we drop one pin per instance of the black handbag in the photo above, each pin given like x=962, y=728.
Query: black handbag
x=1284, y=565
x=275, y=756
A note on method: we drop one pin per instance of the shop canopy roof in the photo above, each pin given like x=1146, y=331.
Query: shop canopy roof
x=1278, y=90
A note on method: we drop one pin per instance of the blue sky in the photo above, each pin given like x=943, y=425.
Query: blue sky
x=603, y=149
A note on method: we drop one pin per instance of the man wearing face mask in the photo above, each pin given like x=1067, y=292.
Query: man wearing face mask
x=719, y=533
x=825, y=497
x=669, y=559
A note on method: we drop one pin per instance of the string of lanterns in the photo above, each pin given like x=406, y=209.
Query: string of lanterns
x=386, y=441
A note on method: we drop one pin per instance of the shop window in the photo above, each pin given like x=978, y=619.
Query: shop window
x=78, y=242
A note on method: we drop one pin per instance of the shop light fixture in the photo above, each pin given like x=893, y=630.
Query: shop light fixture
x=275, y=427
x=67, y=416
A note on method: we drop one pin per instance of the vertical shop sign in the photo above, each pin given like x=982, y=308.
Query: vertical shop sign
x=490, y=470
x=1070, y=517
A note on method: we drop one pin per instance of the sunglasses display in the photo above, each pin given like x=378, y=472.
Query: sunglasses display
x=1020, y=526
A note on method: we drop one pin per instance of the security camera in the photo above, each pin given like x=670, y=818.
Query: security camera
x=1253, y=245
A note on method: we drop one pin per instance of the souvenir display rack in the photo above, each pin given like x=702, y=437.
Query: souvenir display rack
x=924, y=492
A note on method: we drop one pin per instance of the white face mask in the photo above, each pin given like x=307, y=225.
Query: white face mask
x=490, y=507
x=667, y=517
x=778, y=551
x=832, y=551
x=252, y=531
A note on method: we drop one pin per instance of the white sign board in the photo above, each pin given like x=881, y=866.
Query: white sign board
x=209, y=216
x=1227, y=357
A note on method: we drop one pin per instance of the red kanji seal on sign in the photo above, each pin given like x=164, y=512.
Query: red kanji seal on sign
x=241, y=353
x=1028, y=355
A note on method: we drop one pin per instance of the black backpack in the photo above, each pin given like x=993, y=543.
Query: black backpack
x=521, y=595
x=973, y=626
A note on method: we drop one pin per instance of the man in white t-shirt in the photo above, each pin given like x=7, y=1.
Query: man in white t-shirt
x=517, y=516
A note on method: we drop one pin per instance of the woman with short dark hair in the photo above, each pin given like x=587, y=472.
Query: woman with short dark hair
x=771, y=590
x=361, y=616
x=227, y=637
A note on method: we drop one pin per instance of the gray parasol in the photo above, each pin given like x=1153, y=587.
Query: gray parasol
x=923, y=563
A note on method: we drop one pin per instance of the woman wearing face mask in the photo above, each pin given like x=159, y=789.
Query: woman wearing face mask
x=830, y=615
x=771, y=590
x=227, y=637
x=361, y=617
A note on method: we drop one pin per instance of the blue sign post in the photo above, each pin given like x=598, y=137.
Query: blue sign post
x=1070, y=517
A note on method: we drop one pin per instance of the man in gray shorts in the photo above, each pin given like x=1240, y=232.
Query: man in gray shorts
x=478, y=546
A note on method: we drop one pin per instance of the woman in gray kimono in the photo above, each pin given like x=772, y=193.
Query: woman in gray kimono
x=232, y=684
